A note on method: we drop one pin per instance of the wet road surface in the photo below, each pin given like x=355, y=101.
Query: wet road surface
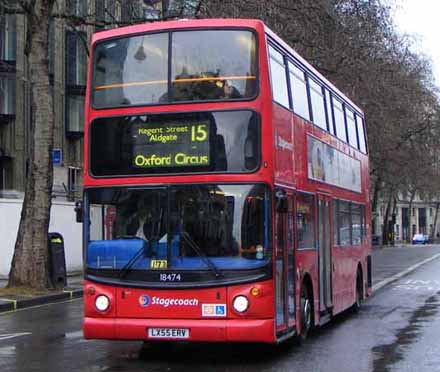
x=396, y=330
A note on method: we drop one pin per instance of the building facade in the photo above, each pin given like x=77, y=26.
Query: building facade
x=419, y=217
x=70, y=29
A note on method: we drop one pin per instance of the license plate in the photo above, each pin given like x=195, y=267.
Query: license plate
x=168, y=332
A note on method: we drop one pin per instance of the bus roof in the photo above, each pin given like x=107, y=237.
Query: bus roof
x=177, y=24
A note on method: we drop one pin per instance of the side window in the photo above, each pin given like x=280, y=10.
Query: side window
x=356, y=224
x=361, y=132
x=351, y=126
x=305, y=221
x=344, y=223
x=298, y=88
x=364, y=227
x=278, y=77
x=339, y=120
x=329, y=111
x=318, y=108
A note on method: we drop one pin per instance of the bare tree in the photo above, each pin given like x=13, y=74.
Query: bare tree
x=30, y=261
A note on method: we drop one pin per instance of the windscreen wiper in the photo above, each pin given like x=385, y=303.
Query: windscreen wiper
x=205, y=259
x=129, y=265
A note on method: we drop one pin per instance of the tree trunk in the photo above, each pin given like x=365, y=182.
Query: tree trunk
x=434, y=230
x=377, y=188
x=413, y=195
x=30, y=261
x=385, y=230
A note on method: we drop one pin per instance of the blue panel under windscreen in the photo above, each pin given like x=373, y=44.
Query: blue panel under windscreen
x=113, y=254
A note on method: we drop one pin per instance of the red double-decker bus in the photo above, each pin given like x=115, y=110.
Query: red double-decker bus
x=225, y=187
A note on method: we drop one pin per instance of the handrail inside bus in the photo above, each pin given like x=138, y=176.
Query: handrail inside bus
x=185, y=80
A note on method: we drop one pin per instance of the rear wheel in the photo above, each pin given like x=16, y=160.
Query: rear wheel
x=306, y=312
x=359, y=292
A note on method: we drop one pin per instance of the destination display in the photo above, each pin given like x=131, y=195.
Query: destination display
x=172, y=144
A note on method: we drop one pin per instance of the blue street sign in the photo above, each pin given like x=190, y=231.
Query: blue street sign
x=56, y=156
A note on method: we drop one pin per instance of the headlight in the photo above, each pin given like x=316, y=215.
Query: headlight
x=240, y=304
x=102, y=303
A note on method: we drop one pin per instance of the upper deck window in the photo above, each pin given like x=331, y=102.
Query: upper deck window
x=278, y=77
x=205, y=65
x=351, y=126
x=298, y=87
x=318, y=108
x=360, y=127
x=339, y=120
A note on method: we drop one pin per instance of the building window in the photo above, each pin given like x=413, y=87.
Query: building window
x=8, y=40
x=413, y=212
x=278, y=77
x=131, y=11
x=76, y=58
x=51, y=48
x=7, y=96
x=75, y=113
x=76, y=8
x=430, y=212
x=181, y=8
x=76, y=76
x=73, y=181
x=105, y=11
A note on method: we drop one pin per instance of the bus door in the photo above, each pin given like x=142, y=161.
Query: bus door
x=324, y=253
x=284, y=261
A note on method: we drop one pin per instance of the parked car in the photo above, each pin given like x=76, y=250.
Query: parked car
x=420, y=239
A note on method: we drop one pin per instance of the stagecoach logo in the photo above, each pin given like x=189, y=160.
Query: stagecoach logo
x=144, y=300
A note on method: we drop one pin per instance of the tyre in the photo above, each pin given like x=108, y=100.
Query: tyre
x=306, y=313
x=359, y=293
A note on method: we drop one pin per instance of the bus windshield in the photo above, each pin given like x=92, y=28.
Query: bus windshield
x=205, y=65
x=189, y=227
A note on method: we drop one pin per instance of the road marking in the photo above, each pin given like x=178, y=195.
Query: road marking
x=393, y=278
x=418, y=285
x=13, y=335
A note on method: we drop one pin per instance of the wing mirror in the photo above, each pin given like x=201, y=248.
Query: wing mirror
x=79, y=211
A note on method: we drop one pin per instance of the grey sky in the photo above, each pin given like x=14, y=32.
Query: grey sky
x=422, y=19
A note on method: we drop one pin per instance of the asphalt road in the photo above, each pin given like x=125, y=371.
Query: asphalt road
x=396, y=330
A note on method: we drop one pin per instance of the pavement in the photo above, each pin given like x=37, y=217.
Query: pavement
x=73, y=290
x=390, y=263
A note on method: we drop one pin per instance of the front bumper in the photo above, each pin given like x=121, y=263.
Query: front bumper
x=255, y=330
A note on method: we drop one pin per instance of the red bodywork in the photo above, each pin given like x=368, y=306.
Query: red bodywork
x=127, y=319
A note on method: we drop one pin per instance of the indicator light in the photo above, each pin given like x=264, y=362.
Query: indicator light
x=255, y=292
